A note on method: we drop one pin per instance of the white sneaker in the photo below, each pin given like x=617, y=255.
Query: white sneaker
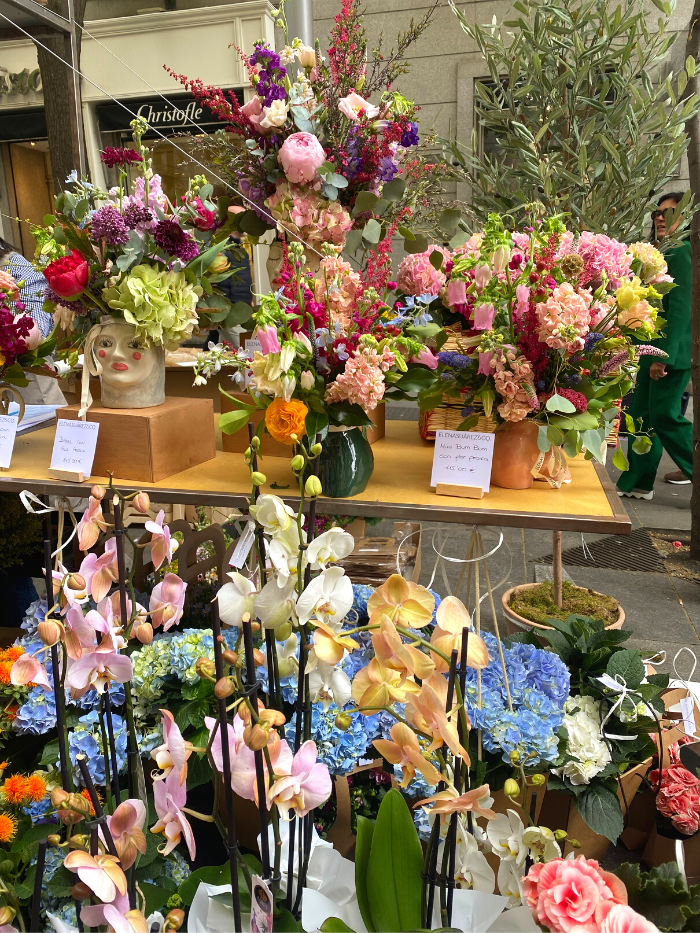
x=637, y=494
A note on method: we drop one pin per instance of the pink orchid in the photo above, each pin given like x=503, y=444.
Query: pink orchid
x=91, y=524
x=161, y=545
x=456, y=292
x=483, y=317
x=117, y=916
x=426, y=357
x=169, y=798
x=307, y=786
x=110, y=609
x=101, y=572
x=81, y=630
x=522, y=294
x=101, y=873
x=65, y=591
x=172, y=755
x=235, y=739
x=269, y=342
x=243, y=777
x=485, y=363
x=126, y=826
x=167, y=601
x=97, y=668
x=29, y=670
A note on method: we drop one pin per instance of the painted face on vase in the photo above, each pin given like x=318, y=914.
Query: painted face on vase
x=126, y=359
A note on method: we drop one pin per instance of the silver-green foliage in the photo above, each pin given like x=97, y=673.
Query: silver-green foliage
x=588, y=117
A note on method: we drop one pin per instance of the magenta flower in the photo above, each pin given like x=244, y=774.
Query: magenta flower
x=161, y=544
x=456, y=292
x=172, y=755
x=307, y=786
x=169, y=798
x=101, y=572
x=268, y=339
x=483, y=317
x=426, y=357
x=167, y=602
x=97, y=668
x=485, y=363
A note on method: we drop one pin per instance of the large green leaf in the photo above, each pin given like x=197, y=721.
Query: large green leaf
x=394, y=869
x=365, y=832
x=232, y=421
x=661, y=896
x=314, y=423
x=335, y=925
x=212, y=874
x=627, y=665
x=349, y=415
x=600, y=810
x=561, y=404
x=393, y=190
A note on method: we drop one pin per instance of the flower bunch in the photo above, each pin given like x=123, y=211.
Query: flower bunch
x=21, y=342
x=586, y=752
x=679, y=796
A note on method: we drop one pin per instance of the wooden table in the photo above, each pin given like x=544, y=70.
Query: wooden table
x=399, y=487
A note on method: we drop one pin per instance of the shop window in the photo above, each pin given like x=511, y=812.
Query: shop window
x=30, y=187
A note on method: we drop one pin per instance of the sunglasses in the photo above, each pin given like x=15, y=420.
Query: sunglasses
x=656, y=214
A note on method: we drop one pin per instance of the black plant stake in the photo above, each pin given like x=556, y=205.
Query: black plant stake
x=112, y=747
x=452, y=839
x=232, y=842
x=60, y=720
x=38, y=884
x=252, y=691
x=100, y=817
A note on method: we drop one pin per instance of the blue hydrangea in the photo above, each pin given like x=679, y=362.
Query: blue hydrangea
x=339, y=751
x=34, y=615
x=90, y=701
x=419, y=787
x=86, y=739
x=422, y=823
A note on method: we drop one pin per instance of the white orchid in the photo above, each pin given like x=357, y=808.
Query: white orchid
x=328, y=597
x=287, y=663
x=472, y=870
x=541, y=843
x=271, y=512
x=332, y=545
x=236, y=599
x=283, y=551
x=505, y=835
x=274, y=604
x=328, y=685
x=510, y=882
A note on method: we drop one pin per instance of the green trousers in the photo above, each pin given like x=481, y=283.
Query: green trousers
x=658, y=404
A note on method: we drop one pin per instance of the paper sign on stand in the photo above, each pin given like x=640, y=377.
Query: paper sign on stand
x=462, y=463
x=8, y=430
x=73, y=449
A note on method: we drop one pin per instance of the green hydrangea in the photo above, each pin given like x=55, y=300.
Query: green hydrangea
x=161, y=304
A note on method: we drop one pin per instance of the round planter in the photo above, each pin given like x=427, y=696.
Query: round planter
x=347, y=463
x=517, y=623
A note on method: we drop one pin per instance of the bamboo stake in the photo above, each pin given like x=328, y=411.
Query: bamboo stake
x=557, y=568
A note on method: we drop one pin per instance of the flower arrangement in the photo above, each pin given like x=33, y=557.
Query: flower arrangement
x=22, y=345
x=678, y=797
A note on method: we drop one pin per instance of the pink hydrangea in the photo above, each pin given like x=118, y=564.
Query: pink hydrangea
x=603, y=254
x=362, y=383
x=309, y=215
x=564, y=318
x=417, y=276
x=339, y=287
x=301, y=156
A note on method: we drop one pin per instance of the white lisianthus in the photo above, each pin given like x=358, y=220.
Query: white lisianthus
x=271, y=512
x=235, y=599
x=505, y=835
x=585, y=746
x=275, y=115
x=328, y=597
x=286, y=357
x=332, y=545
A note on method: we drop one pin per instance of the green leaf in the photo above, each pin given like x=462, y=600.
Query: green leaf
x=61, y=882
x=364, y=202
x=211, y=874
x=314, y=423
x=33, y=835
x=449, y=219
x=417, y=379
x=50, y=753
x=584, y=421
x=393, y=190
x=559, y=403
x=240, y=313
x=251, y=223
x=642, y=444
x=334, y=925
x=284, y=921
x=620, y=460
x=555, y=436
x=365, y=832
x=592, y=441
x=560, y=421
x=571, y=443
x=348, y=415
x=419, y=244
x=372, y=231
x=353, y=240
x=470, y=422
x=394, y=869
x=232, y=421
x=543, y=441
x=436, y=259
x=156, y=896
x=600, y=810
x=627, y=664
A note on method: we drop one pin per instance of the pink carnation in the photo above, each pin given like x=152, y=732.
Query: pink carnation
x=603, y=254
x=362, y=383
x=417, y=276
x=564, y=318
x=301, y=156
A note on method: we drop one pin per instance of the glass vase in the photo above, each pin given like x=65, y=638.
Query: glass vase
x=346, y=463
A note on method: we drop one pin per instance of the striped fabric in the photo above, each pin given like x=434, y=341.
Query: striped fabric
x=32, y=292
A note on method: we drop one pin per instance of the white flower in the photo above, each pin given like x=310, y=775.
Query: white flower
x=270, y=512
x=287, y=663
x=585, y=746
x=307, y=380
x=235, y=599
x=286, y=357
x=332, y=545
x=307, y=56
x=471, y=867
x=328, y=685
x=274, y=604
x=275, y=114
x=283, y=551
x=505, y=834
x=509, y=882
x=288, y=385
x=541, y=842
x=328, y=597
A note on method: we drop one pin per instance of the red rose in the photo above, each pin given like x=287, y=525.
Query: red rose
x=68, y=276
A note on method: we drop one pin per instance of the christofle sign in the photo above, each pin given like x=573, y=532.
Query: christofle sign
x=165, y=115
x=177, y=114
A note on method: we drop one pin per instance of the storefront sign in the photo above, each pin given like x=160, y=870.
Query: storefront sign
x=180, y=113
x=20, y=82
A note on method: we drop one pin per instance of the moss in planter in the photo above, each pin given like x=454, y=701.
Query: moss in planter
x=537, y=603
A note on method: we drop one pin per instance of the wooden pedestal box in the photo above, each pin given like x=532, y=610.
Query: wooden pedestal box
x=148, y=444
x=238, y=442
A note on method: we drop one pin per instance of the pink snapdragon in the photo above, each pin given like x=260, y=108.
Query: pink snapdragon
x=301, y=156
x=564, y=318
x=362, y=383
x=307, y=785
x=167, y=602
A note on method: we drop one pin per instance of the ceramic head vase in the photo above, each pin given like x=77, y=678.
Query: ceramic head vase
x=131, y=371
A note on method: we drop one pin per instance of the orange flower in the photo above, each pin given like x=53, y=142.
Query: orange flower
x=393, y=653
x=14, y=789
x=13, y=653
x=405, y=750
x=404, y=603
x=426, y=712
x=451, y=617
x=36, y=787
x=330, y=645
x=86, y=794
x=449, y=801
x=8, y=827
x=375, y=686
x=5, y=671
x=11, y=712
x=284, y=419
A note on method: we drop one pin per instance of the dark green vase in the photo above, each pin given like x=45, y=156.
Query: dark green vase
x=347, y=463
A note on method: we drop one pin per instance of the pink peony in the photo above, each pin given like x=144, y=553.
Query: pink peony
x=619, y=918
x=564, y=894
x=417, y=276
x=301, y=156
x=353, y=105
x=564, y=318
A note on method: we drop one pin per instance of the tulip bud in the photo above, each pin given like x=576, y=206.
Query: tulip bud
x=511, y=788
x=80, y=892
x=258, y=479
x=316, y=449
x=343, y=721
x=49, y=631
x=230, y=657
x=258, y=657
x=142, y=502
x=76, y=581
x=255, y=443
x=144, y=633
x=205, y=668
x=538, y=780
x=98, y=492
x=297, y=463
x=224, y=688
x=559, y=834
x=7, y=915
x=174, y=920
x=53, y=840
x=313, y=487
x=219, y=265
x=284, y=631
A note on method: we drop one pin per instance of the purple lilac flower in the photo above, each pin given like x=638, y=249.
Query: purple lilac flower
x=352, y=149
x=469, y=410
x=643, y=349
x=135, y=214
x=271, y=74
x=409, y=137
x=108, y=225
x=171, y=238
x=591, y=340
x=453, y=359
x=387, y=169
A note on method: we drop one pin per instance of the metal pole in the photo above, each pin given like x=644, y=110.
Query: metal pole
x=72, y=54
x=300, y=20
x=556, y=567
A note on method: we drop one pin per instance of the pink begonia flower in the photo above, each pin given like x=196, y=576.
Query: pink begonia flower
x=456, y=292
x=97, y=668
x=101, y=873
x=269, y=342
x=126, y=826
x=301, y=156
x=353, y=105
x=101, y=572
x=29, y=670
x=307, y=786
x=426, y=357
x=169, y=797
x=522, y=294
x=174, y=752
x=161, y=544
x=483, y=317
x=620, y=918
x=91, y=524
x=167, y=601
x=485, y=363
x=34, y=338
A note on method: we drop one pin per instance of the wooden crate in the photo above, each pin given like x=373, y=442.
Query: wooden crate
x=148, y=444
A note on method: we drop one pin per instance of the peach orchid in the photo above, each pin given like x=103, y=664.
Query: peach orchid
x=162, y=545
x=91, y=524
x=330, y=646
x=376, y=686
x=101, y=873
x=126, y=826
x=450, y=801
x=174, y=752
x=392, y=652
x=426, y=712
x=404, y=749
x=451, y=617
x=404, y=603
x=29, y=670
x=100, y=573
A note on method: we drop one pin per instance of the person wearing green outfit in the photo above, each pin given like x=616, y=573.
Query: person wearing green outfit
x=661, y=383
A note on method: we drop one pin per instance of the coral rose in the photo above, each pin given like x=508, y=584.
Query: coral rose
x=284, y=419
x=564, y=894
x=619, y=918
x=301, y=156
x=69, y=275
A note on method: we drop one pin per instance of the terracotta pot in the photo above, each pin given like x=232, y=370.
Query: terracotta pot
x=515, y=453
x=518, y=623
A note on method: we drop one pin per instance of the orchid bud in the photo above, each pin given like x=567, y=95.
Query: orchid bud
x=258, y=657
x=80, y=891
x=230, y=657
x=174, y=920
x=316, y=449
x=7, y=915
x=511, y=788
x=538, y=780
x=313, y=487
x=501, y=255
x=49, y=631
x=256, y=737
x=248, y=453
x=343, y=721
x=54, y=839
x=574, y=843
x=255, y=626
x=144, y=633
x=142, y=502
x=284, y=631
x=205, y=668
x=224, y=688
x=258, y=479
x=297, y=463
x=514, y=756
x=76, y=581
x=98, y=492
x=79, y=841
x=559, y=834
x=255, y=443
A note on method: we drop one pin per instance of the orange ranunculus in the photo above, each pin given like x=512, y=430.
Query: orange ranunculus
x=284, y=419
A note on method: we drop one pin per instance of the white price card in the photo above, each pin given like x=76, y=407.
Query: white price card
x=251, y=345
x=8, y=429
x=74, y=446
x=462, y=457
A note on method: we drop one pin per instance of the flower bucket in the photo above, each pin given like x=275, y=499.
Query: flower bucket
x=515, y=453
x=516, y=623
x=347, y=463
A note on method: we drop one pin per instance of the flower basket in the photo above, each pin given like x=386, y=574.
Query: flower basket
x=516, y=622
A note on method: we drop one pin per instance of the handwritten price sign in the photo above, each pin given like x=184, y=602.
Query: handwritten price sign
x=462, y=457
x=8, y=429
x=74, y=446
